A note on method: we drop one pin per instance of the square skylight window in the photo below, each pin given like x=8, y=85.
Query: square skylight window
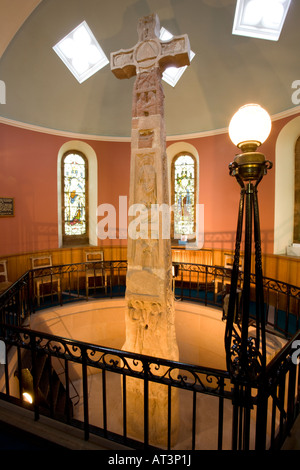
x=81, y=52
x=172, y=74
x=261, y=19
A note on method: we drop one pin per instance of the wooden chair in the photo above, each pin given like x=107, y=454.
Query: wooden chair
x=95, y=270
x=41, y=282
x=228, y=264
x=225, y=302
x=4, y=282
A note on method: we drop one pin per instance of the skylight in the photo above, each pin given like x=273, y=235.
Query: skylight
x=262, y=19
x=81, y=53
x=172, y=74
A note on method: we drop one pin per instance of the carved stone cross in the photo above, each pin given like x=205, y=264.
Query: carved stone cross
x=150, y=313
x=150, y=51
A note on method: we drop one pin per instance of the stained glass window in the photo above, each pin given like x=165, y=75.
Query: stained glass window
x=74, y=197
x=183, y=192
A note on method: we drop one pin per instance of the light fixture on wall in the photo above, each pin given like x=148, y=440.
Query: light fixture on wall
x=262, y=19
x=246, y=356
x=81, y=52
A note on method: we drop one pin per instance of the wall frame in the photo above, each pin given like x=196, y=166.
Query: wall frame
x=7, y=207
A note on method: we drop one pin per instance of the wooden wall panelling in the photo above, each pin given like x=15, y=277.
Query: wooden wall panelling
x=283, y=268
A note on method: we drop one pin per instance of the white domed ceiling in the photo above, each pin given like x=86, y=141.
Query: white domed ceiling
x=226, y=72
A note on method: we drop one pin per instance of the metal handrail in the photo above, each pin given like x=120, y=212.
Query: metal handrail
x=18, y=302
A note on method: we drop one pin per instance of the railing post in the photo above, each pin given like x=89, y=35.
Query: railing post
x=235, y=426
x=67, y=379
x=242, y=404
x=261, y=416
x=85, y=393
x=169, y=415
x=111, y=278
x=146, y=403
x=220, y=417
x=194, y=420
x=181, y=282
x=291, y=397
x=34, y=378
x=104, y=401
x=124, y=407
x=206, y=277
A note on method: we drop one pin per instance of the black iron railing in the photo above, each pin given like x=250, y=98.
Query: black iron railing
x=240, y=416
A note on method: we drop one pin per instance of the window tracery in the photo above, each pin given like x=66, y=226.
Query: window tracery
x=75, y=198
x=183, y=184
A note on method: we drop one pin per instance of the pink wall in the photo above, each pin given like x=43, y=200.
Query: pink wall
x=28, y=172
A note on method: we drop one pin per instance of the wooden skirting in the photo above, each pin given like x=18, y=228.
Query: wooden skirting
x=20, y=263
x=279, y=267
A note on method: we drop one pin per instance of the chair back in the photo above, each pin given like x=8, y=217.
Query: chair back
x=229, y=259
x=41, y=261
x=93, y=256
x=3, y=270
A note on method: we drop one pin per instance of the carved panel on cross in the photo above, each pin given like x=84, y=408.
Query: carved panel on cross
x=146, y=184
x=145, y=139
x=148, y=94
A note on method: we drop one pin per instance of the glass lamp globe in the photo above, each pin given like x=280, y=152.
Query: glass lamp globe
x=249, y=127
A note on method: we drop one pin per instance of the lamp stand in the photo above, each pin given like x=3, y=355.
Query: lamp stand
x=246, y=356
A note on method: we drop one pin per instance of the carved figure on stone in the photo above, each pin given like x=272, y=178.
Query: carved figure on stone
x=147, y=185
x=145, y=81
x=145, y=317
x=141, y=104
x=135, y=313
x=149, y=253
x=148, y=94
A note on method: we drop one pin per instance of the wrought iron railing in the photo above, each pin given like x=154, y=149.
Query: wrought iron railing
x=208, y=284
x=241, y=416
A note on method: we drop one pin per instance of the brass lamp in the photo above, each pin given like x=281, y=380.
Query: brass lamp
x=246, y=356
x=248, y=129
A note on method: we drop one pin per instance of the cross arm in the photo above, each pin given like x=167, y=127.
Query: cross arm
x=122, y=63
x=175, y=53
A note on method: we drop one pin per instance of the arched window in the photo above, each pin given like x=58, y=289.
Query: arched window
x=183, y=198
x=74, y=185
x=285, y=187
x=297, y=193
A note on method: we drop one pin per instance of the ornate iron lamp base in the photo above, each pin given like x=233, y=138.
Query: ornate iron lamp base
x=246, y=356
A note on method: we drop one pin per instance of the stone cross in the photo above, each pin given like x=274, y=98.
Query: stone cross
x=150, y=313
